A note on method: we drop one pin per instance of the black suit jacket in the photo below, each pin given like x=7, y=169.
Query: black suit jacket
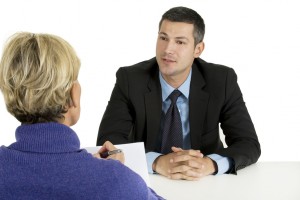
x=134, y=111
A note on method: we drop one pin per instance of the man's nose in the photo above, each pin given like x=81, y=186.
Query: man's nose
x=170, y=47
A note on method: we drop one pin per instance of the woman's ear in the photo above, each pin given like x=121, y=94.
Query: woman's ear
x=73, y=109
x=75, y=95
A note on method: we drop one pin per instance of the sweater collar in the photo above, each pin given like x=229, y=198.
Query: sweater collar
x=45, y=138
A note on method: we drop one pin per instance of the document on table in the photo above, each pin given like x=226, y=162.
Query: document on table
x=135, y=158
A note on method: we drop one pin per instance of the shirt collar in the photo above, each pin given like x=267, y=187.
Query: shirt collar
x=168, y=89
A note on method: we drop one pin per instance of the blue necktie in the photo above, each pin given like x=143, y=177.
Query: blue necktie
x=172, y=127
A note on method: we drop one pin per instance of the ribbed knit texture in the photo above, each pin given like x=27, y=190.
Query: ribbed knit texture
x=46, y=162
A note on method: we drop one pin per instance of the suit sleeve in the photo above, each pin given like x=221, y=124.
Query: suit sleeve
x=240, y=135
x=117, y=120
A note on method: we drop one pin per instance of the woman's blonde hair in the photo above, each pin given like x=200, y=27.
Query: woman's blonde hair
x=37, y=72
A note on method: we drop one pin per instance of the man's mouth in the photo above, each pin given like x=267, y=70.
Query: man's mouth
x=168, y=60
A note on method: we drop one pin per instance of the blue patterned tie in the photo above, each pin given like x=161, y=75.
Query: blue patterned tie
x=172, y=127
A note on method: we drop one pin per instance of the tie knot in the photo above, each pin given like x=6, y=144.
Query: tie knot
x=174, y=95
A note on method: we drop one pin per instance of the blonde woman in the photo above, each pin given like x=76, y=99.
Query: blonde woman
x=38, y=79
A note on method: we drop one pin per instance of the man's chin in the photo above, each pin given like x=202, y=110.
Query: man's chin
x=168, y=73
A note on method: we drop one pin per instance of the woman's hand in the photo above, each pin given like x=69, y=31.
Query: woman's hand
x=108, y=146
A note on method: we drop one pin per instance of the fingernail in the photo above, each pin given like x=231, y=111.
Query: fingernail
x=171, y=160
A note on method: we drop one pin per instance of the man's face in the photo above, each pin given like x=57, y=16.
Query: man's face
x=175, y=49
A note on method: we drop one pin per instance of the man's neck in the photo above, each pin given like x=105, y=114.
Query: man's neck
x=177, y=80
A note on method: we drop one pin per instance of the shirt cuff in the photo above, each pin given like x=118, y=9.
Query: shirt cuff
x=223, y=163
x=150, y=157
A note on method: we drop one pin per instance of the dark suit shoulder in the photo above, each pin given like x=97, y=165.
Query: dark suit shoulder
x=140, y=72
x=207, y=67
x=212, y=75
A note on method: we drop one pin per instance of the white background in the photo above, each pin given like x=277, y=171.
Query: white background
x=258, y=38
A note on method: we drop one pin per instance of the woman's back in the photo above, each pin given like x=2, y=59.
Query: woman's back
x=46, y=163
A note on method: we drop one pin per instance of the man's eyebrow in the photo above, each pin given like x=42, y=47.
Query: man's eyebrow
x=182, y=38
x=162, y=33
x=178, y=38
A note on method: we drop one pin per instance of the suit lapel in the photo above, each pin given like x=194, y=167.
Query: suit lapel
x=198, y=107
x=153, y=103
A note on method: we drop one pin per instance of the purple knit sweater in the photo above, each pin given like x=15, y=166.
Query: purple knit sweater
x=46, y=163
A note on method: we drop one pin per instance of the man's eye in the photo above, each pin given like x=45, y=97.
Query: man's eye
x=163, y=38
x=180, y=42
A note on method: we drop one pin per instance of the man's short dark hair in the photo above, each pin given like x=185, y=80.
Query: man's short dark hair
x=187, y=15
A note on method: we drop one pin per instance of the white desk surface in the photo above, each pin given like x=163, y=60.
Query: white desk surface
x=260, y=181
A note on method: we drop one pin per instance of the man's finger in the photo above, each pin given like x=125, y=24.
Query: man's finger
x=179, y=176
x=179, y=169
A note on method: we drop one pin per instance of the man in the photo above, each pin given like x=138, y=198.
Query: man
x=140, y=106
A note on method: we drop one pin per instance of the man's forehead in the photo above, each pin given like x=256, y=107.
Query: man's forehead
x=176, y=29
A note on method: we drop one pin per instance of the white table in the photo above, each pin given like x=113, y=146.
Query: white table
x=260, y=181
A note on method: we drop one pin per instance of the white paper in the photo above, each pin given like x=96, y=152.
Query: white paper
x=135, y=158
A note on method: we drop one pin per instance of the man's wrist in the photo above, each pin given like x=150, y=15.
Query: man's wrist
x=213, y=165
x=154, y=165
x=223, y=163
x=151, y=158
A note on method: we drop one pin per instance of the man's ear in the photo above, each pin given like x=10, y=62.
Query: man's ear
x=199, y=49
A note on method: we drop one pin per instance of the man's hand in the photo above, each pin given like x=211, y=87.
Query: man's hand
x=184, y=164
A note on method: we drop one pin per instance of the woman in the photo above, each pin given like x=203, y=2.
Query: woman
x=38, y=79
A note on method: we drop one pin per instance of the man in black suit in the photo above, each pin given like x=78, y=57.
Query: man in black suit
x=209, y=96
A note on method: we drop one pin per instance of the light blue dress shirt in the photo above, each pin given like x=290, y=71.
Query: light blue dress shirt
x=223, y=163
